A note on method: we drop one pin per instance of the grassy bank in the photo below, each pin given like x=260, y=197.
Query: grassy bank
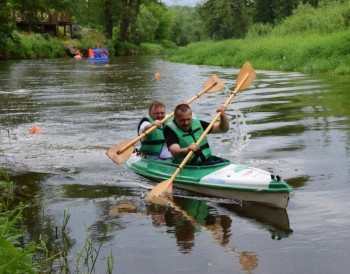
x=34, y=45
x=304, y=53
x=310, y=41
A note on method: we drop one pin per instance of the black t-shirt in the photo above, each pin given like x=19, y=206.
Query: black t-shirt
x=171, y=137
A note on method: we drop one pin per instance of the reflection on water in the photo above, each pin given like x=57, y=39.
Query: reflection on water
x=93, y=192
x=275, y=220
x=184, y=217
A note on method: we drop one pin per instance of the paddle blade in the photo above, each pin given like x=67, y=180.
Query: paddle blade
x=163, y=188
x=210, y=81
x=122, y=157
x=246, y=69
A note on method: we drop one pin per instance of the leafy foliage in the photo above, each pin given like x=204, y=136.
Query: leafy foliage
x=165, y=21
x=130, y=25
x=188, y=26
x=313, y=46
x=225, y=19
x=145, y=27
x=325, y=19
x=6, y=28
x=272, y=12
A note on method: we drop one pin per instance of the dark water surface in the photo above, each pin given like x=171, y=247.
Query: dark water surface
x=294, y=125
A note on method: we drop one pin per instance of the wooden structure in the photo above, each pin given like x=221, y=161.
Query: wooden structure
x=46, y=21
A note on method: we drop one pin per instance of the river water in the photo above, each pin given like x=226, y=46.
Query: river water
x=294, y=125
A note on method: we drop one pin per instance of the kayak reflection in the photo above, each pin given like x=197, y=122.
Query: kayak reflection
x=186, y=216
x=273, y=219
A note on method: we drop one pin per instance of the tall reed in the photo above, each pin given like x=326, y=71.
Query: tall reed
x=14, y=258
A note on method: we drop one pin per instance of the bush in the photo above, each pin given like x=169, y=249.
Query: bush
x=125, y=48
x=148, y=48
x=168, y=44
x=306, y=19
x=34, y=46
x=259, y=30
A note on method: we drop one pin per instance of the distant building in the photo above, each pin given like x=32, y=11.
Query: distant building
x=44, y=21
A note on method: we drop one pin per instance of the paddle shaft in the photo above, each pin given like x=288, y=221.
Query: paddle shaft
x=184, y=161
x=165, y=119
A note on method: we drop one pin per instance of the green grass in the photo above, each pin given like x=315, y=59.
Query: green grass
x=310, y=41
x=304, y=53
x=31, y=46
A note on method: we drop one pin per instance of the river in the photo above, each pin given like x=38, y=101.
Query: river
x=291, y=124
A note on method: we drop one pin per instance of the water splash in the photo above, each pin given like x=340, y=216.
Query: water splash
x=240, y=137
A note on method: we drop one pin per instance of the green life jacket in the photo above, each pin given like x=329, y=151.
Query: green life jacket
x=187, y=138
x=153, y=143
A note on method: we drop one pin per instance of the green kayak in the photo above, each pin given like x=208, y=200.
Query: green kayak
x=223, y=180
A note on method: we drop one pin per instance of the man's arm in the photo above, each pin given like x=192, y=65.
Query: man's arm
x=223, y=125
x=147, y=125
x=144, y=126
x=175, y=150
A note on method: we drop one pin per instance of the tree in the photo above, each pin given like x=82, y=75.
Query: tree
x=90, y=12
x=130, y=9
x=264, y=12
x=225, y=19
x=145, y=27
x=108, y=8
x=165, y=20
x=6, y=26
x=188, y=26
x=273, y=11
x=313, y=3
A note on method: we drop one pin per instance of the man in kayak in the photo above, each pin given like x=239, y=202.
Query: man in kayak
x=153, y=145
x=182, y=133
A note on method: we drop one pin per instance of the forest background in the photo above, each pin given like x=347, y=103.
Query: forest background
x=292, y=35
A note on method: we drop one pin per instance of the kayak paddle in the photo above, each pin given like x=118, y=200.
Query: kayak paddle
x=244, y=79
x=120, y=152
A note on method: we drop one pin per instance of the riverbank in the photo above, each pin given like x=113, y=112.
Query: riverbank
x=307, y=53
x=44, y=46
x=310, y=41
x=303, y=53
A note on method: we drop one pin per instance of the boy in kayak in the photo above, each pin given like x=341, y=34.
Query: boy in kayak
x=182, y=133
x=153, y=145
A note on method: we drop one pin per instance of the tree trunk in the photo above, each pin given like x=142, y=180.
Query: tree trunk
x=108, y=19
x=124, y=24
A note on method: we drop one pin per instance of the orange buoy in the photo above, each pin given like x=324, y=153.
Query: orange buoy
x=157, y=75
x=34, y=130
